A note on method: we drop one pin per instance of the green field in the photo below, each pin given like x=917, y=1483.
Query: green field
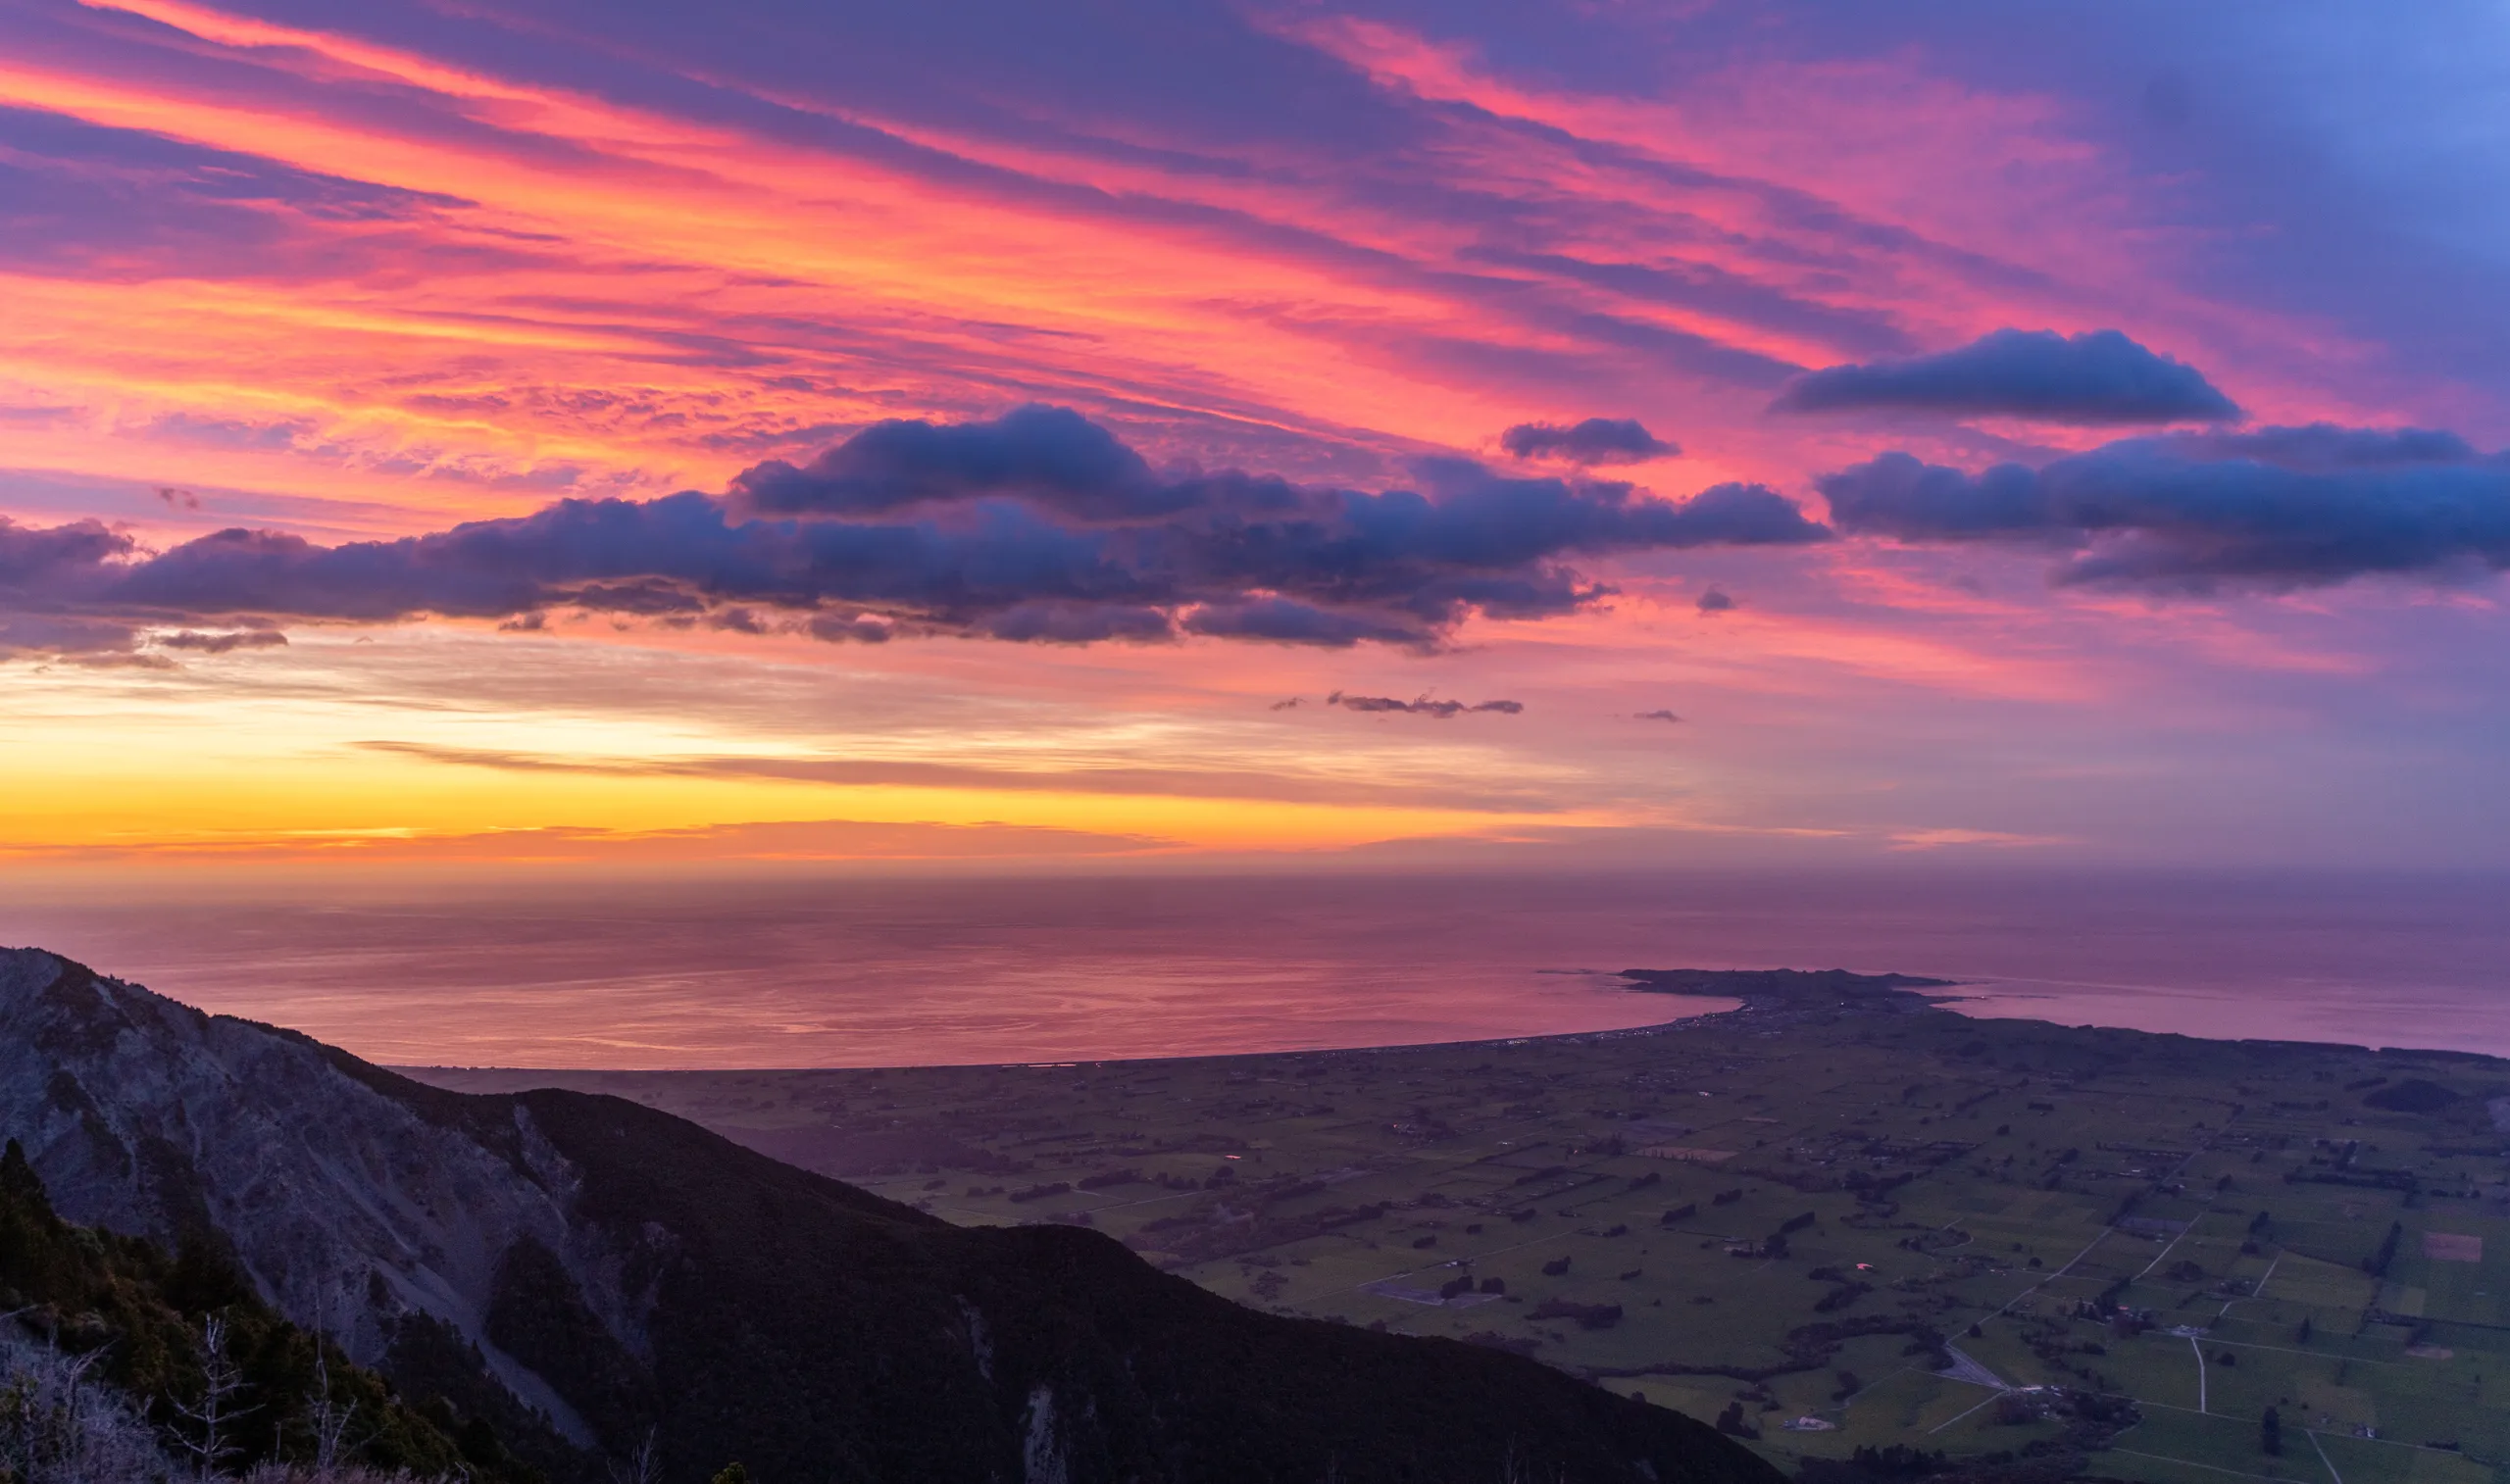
x=2101, y=1251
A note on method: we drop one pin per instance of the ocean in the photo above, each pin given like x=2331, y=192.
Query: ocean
x=849, y=971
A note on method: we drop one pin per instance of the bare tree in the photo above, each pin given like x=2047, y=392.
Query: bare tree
x=643, y=1463
x=214, y=1415
x=59, y=1426
x=326, y=1417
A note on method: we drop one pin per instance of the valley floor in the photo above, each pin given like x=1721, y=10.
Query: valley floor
x=1834, y=1218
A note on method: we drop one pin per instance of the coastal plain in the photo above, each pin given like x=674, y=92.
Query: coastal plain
x=1838, y=1217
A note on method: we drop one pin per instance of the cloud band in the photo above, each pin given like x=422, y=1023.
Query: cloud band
x=1035, y=526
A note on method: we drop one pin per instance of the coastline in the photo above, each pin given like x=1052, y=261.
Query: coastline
x=2022, y=1239
x=817, y=975
x=1765, y=1008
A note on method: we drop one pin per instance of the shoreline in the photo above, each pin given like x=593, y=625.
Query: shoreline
x=1905, y=996
x=1900, y=1213
x=1034, y=972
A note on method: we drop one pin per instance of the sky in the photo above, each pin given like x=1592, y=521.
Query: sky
x=976, y=436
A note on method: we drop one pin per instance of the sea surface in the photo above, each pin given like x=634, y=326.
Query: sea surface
x=842, y=971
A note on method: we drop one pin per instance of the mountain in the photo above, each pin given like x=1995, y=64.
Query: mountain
x=580, y=1273
x=128, y=1364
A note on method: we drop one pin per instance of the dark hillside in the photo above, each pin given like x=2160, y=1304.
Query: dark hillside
x=816, y=1332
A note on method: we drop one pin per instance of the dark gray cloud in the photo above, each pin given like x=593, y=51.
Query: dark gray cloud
x=2322, y=446
x=32, y=557
x=1655, y=715
x=1052, y=622
x=1051, y=455
x=1036, y=527
x=1284, y=621
x=647, y=596
x=219, y=644
x=2152, y=511
x=1421, y=705
x=1595, y=441
x=2100, y=376
x=1716, y=601
x=854, y=628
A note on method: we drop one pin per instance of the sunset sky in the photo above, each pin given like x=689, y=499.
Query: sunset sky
x=997, y=435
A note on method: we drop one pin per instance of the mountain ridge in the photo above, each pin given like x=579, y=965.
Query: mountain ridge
x=614, y=1271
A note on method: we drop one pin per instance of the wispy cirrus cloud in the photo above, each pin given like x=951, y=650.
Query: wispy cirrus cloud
x=383, y=282
x=787, y=840
x=1277, y=784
